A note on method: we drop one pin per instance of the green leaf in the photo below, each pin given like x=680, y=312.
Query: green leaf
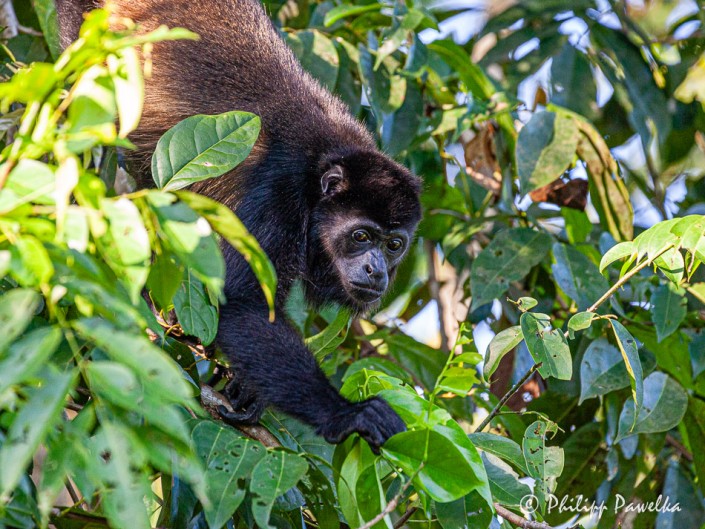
x=446, y=475
x=272, y=477
x=27, y=355
x=230, y=460
x=654, y=240
x=31, y=265
x=577, y=276
x=317, y=55
x=116, y=383
x=17, y=308
x=224, y=221
x=628, y=348
x=694, y=422
x=470, y=73
x=37, y=416
x=617, y=252
x=690, y=231
x=154, y=367
x=572, y=82
x=665, y=403
x=544, y=463
x=399, y=34
x=326, y=341
x=128, y=245
x=501, y=344
x=117, y=461
x=504, y=482
x=126, y=72
x=545, y=149
x=526, y=303
x=354, y=463
x=509, y=257
x=629, y=68
x=401, y=128
x=165, y=278
x=347, y=10
x=602, y=370
x=384, y=87
x=580, y=322
x=458, y=380
x=193, y=309
x=547, y=346
x=668, y=309
x=678, y=487
x=190, y=237
x=202, y=147
x=29, y=181
x=500, y=446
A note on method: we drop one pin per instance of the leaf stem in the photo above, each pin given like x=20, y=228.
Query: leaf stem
x=626, y=277
x=507, y=396
x=392, y=504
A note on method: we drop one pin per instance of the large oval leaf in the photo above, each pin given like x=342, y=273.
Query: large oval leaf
x=445, y=474
x=202, y=147
x=665, y=402
x=509, y=257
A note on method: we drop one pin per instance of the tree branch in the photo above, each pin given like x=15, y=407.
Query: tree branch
x=519, y=521
x=626, y=277
x=211, y=399
x=393, y=503
x=507, y=396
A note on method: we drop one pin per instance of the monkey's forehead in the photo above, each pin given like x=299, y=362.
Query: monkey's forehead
x=388, y=216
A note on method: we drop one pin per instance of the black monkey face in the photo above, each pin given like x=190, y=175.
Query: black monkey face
x=365, y=255
x=362, y=226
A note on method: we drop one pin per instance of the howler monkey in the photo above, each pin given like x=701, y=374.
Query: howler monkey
x=323, y=202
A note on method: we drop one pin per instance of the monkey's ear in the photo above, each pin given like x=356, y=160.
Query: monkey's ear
x=332, y=180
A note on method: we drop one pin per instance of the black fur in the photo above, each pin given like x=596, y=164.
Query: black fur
x=312, y=178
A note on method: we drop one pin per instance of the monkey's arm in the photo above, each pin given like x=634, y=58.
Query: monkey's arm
x=275, y=368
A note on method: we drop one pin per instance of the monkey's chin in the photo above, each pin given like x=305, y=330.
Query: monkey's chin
x=365, y=297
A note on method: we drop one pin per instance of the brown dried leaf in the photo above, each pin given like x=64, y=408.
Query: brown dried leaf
x=481, y=161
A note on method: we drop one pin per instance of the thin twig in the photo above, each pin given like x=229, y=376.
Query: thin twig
x=507, y=396
x=29, y=31
x=626, y=277
x=393, y=503
x=517, y=520
x=405, y=517
x=72, y=492
x=679, y=447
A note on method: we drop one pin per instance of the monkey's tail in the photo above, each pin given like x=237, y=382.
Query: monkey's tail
x=70, y=17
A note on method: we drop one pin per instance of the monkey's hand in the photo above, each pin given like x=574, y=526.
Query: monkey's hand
x=246, y=407
x=373, y=419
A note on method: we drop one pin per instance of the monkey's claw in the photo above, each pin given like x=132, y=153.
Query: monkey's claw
x=250, y=415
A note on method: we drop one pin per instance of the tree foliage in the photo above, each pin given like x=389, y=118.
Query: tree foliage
x=562, y=152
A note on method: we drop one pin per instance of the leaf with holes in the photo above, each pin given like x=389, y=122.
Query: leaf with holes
x=273, y=476
x=229, y=459
x=509, y=257
x=547, y=346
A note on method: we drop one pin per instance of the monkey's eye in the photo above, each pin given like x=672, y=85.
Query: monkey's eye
x=361, y=236
x=395, y=245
